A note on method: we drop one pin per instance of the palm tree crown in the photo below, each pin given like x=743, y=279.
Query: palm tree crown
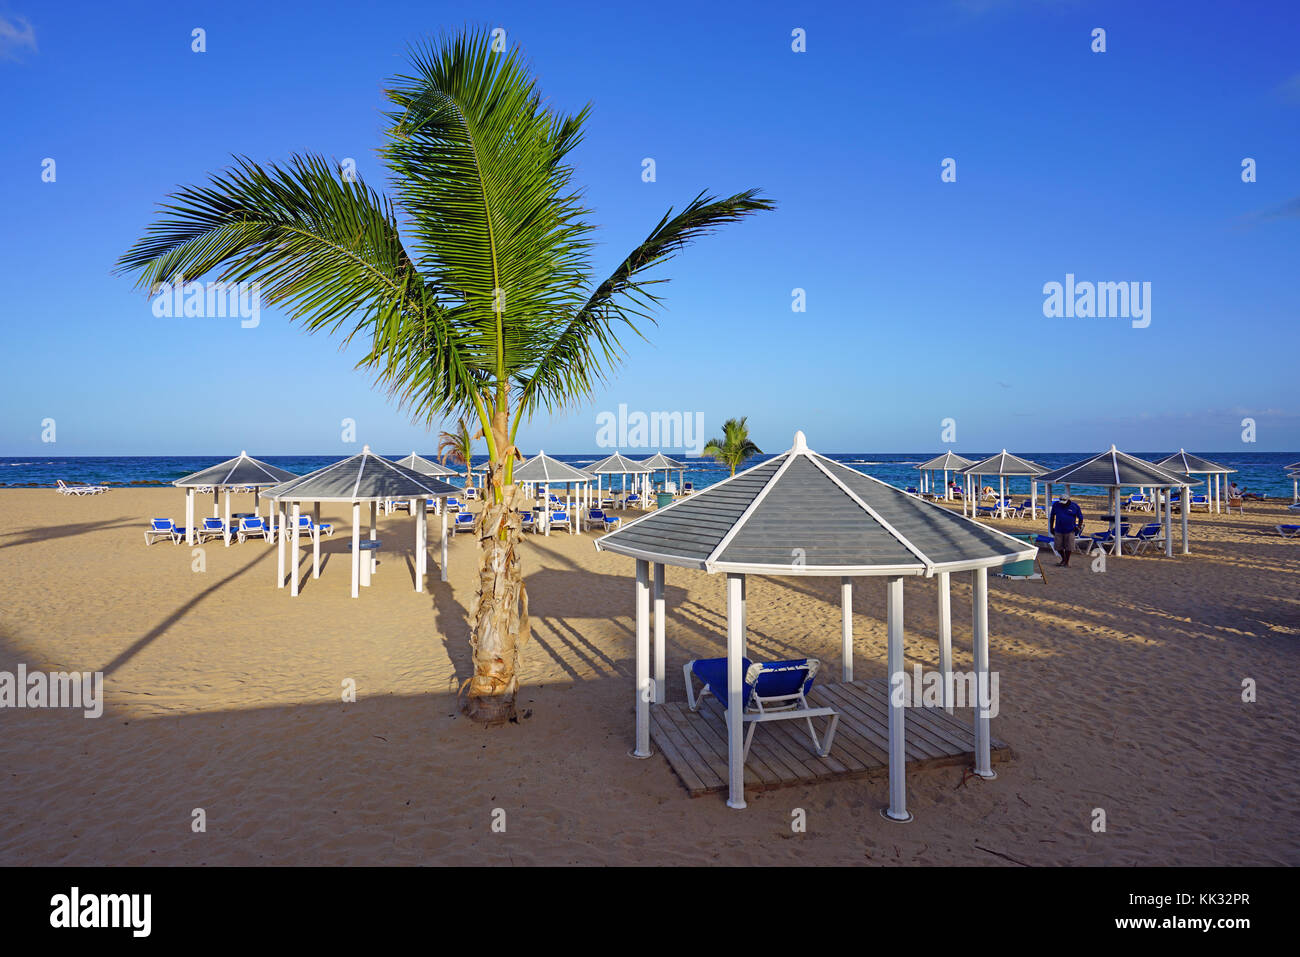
x=734, y=447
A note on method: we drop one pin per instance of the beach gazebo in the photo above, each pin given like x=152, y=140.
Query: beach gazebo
x=948, y=462
x=541, y=469
x=1185, y=462
x=1005, y=465
x=243, y=471
x=418, y=463
x=662, y=463
x=1115, y=470
x=620, y=464
x=364, y=479
x=802, y=514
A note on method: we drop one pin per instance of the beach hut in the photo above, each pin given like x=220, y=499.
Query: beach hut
x=1115, y=470
x=620, y=464
x=662, y=463
x=243, y=471
x=1293, y=473
x=803, y=514
x=418, y=463
x=541, y=469
x=364, y=479
x=1183, y=461
x=948, y=462
x=1005, y=465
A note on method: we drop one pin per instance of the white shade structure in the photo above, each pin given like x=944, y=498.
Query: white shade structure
x=662, y=463
x=620, y=464
x=243, y=471
x=542, y=469
x=364, y=479
x=846, y=525
x=1183, y=461
x=1115, y=470
x=945, y=463
x=1005, y=465
x=418, y=463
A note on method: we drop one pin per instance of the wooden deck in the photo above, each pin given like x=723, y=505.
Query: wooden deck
x=695, y=744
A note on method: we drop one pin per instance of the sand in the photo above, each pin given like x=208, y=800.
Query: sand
x=1120, y=690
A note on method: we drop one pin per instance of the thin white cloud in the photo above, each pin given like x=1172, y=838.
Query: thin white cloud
x=17, y=36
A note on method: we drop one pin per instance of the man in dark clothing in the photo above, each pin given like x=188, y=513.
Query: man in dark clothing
x=1064, y=522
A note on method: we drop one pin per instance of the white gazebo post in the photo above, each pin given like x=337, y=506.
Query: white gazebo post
x=1118, y=547
x=643, y=690
x=945, y=639
x=280, y=543
x=356, y=549
x=216, y=501
x=1166, y=495
x=661, y=682
x=315, y=541
x=1002, y=496
x=983, y=687
x=1186, y=499
x=735, y=707
x=846, y=628
x=296, y=556
x=227, y=516
x=1033, y=499
x=897, y=810
x=443, y=567
x=189, y=516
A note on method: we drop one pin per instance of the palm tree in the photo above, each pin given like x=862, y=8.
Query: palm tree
x=486, y=307
x=734, y=447
x=459, y=447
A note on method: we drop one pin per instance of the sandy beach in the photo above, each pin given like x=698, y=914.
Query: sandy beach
x=1120, y=690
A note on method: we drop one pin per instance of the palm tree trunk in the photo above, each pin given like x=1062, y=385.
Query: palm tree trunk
x=499, y=618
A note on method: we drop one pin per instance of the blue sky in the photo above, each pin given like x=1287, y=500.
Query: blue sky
x=924, y=298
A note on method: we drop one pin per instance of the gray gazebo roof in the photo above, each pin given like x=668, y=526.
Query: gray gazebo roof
x=1293, y=467
x=241, y=470
x=1113, y=468
x=418, y=463
x=948, y=462
x=617, y=464
x=1184, y=461
x=1004, y=463
x=659, y=462
x=362, y=478
x=542, y=468
x=804, y=514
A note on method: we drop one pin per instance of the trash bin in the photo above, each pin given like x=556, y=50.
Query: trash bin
x=664, y=499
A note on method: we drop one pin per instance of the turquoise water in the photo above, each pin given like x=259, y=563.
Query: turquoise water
x=1257, y=471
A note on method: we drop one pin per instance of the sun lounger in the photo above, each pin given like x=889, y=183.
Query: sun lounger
x=1238, y=504
x=251, y=528
x=1048, y=542
x=163, y=528
x=1200, y=501
x=212, y=528
x=560, y=519
x=632, y=499
x=770, y=692
x=1288, y=531
x=66, y=489
x=305, y=526
x=453, y=504
x=687, y=488
x=464, y=523
x=596, y=516
x=1152, y=533
x=527, y=522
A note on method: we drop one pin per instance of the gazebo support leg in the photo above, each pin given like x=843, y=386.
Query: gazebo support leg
x=643, y=692
x=735, y=710
x=897, y=810
x=983, y=742
x=744, y=615
x=293, y=570
x=443, y=568
x=356, y=549
x=227, y=517
x=846, y=628
x=280, y=543
x=315, y=541
x=661, y=690
x=1118, y=547
x=1186, y=499
x=189, y=516
x=945, y=639
x=1166, y=495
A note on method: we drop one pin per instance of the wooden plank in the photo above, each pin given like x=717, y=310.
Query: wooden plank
x=918, y=742
x=708, y=761
x=711, y=746
x=671, y=744
x=876, y=716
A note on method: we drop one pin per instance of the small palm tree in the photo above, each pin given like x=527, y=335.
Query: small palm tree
x=734, y=447
x=472, y=287
x=458, y=446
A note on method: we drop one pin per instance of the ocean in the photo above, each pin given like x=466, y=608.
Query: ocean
x=1262, y=472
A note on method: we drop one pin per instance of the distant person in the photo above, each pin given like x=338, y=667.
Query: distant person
x=1065, y=522
x=1233, y=491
